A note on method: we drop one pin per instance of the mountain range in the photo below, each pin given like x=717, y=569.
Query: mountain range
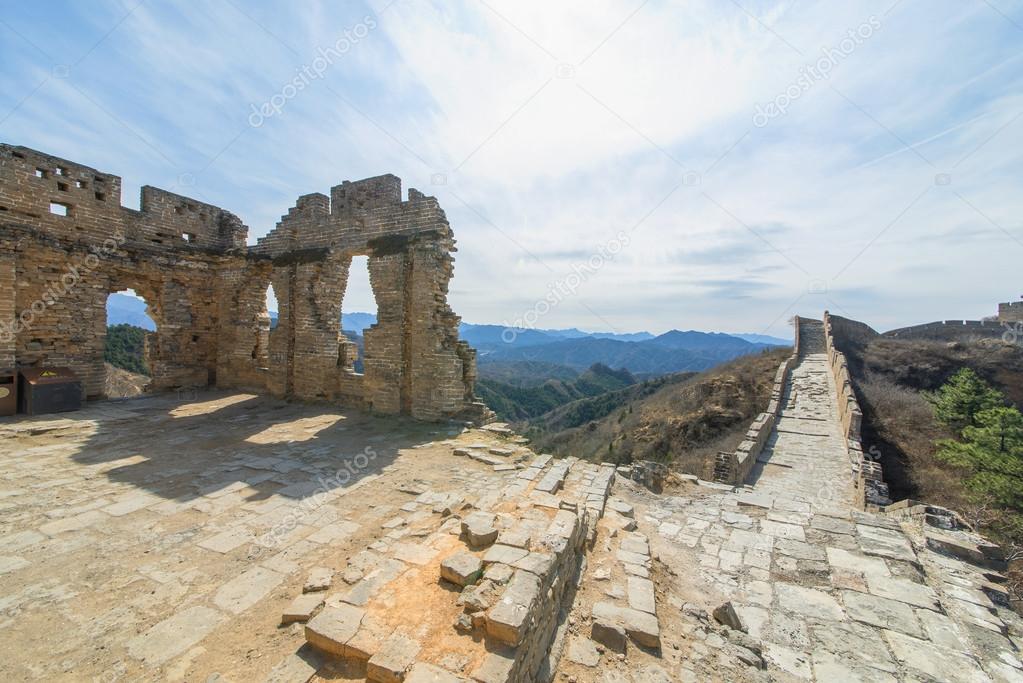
x=673, y=351
x=641, y=353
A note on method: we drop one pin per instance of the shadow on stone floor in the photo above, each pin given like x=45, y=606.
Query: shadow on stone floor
x=214, y=444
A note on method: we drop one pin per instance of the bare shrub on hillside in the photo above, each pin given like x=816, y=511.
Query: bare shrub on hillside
x=904, y=422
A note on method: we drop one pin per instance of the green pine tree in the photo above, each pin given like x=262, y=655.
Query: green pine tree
x=964, y=396
x=991, y=452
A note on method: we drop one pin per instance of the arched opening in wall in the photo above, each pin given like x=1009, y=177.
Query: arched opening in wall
x=266, y=322
x=129, y=334
x=358, y=312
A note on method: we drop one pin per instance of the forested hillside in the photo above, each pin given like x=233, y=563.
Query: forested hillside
x=125, y=348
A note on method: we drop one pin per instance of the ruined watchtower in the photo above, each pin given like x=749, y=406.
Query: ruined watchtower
x=66, y=243
x=1011, y=312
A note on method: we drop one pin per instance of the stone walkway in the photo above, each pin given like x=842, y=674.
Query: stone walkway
x=805, y=457
x=164, y=539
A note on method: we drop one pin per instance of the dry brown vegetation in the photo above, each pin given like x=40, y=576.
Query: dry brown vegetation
x=123, y=384
x=683, y=422
x=890, y=378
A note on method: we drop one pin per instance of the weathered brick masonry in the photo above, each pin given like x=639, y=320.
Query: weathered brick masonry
x=66, y=243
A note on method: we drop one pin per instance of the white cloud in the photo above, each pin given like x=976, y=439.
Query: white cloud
x=552, y=167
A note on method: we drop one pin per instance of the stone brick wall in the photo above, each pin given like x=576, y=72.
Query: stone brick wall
x=950, y=330
x=71, y=244
x=870, y=491
x=734, y=467
x=7, y=308
x=846, y=331
x=67, y=243
x=1011, y=312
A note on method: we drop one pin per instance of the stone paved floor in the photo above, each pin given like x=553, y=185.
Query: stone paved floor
x=806, y=454
x=832, y=596
x=161, y=539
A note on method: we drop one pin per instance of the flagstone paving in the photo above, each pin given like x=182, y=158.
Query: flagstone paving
x=826, y=593
x=163, y=539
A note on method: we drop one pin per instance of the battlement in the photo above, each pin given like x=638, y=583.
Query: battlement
x=357, y=214
x=70, y=200
x=1011, y=312
x=353, y=197
x=39, y=186
x=177, y=218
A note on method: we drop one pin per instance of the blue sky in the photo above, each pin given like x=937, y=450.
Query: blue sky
x=605, y=165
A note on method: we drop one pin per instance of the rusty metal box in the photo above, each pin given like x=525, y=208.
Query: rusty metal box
x=49, y=390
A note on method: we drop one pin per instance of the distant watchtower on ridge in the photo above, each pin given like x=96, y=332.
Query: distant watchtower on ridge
x=1011, y=312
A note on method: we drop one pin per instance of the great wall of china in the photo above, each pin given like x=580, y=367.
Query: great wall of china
x=339, y=545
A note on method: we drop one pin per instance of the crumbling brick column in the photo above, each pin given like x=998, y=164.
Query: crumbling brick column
x=385, y=378
x=319, y=288
x=280, y=374
x=436, y=368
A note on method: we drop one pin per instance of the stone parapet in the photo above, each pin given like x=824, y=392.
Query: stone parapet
x=734, y=467
x=869, y=489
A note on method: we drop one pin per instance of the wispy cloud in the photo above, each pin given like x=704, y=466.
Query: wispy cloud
x=546, y=128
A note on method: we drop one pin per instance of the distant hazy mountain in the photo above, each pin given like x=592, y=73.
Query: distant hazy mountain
x=627, y=336
x=357, y=322
x=764, y=339
x=674, y=351
x=487, y=338
x=692, y=340
x=123, y=309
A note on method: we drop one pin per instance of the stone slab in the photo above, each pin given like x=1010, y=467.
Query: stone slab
x=508, y=619
x=882, y=612
x=936, y=662
x=175, y=635
x=641, y=595
x=395, y=658
x=333, y=627
x=642, y=627
x=808, y=602
x=246, y=589
x=302, y=608
x=428, y=673
x=461, y=569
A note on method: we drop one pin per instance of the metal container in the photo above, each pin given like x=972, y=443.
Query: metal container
x=8, y=392
x=49, y=390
